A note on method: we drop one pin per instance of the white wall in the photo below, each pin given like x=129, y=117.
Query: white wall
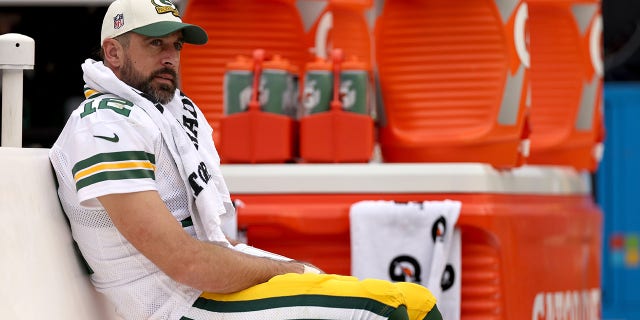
x=40, y=276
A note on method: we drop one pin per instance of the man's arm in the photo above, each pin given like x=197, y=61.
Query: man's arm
x=143, y=218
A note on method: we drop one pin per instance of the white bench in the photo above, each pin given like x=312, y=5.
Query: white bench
x=41, y=277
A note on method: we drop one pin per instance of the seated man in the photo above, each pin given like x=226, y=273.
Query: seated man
x=141, y=184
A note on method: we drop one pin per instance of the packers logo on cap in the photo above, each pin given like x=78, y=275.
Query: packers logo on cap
x=151, y=18
x=164, y=6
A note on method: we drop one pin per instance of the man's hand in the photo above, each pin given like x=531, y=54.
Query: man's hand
x=144, y=220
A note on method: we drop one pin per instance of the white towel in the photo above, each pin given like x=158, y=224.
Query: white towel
x=450, y=300
x=412, y=242
x=214, y=199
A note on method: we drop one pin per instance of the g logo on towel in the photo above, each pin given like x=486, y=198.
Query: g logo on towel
x=405, y=269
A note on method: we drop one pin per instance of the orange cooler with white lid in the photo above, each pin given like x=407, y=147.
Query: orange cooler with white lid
x=531, y=237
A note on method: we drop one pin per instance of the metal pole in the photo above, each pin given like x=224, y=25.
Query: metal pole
x=11, y=108
x=17, y=53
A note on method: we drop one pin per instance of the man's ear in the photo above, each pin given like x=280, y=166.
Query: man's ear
x=113, y=52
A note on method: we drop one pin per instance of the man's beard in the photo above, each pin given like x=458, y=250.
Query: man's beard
x=162, y=92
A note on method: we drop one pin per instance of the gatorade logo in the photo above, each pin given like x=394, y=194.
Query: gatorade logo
x=595, y=38
x=347, y=94
x=245, y=95
x=311, y=96
x=322, y=35
x=520, y=36
x=405, y=269
x=448, y=278
x=439, y=229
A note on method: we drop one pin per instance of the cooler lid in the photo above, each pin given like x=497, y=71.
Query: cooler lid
x=403, y=178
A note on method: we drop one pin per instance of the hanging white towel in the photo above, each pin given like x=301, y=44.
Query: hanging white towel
x=450, y=300
x=413, y=242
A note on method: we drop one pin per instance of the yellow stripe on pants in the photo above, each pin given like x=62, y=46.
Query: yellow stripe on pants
x=418, y=300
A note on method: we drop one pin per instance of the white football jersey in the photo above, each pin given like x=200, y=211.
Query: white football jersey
x=111, y=146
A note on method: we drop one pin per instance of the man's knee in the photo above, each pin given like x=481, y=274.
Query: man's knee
x=400, y=313
x=434, y=314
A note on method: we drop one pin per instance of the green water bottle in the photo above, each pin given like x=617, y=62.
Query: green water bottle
x=277, y=87
x=355, y=87
x=292, y=104
x=318, y=87
x=238, y=79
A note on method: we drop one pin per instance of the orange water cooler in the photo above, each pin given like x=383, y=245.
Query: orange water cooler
x=453, y=81
x=337, y=123
x=341, y=24
x=530, y=237
x=566, y=83
x=235, y=28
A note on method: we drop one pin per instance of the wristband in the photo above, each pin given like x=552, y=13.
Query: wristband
x=309, y=269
